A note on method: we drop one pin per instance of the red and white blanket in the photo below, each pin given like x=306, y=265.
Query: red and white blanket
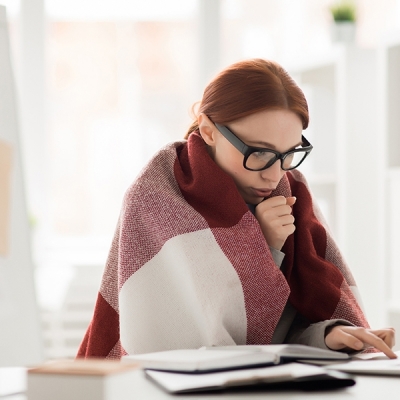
x=189, y=265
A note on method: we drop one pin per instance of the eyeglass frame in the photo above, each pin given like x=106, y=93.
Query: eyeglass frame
x=248, y=150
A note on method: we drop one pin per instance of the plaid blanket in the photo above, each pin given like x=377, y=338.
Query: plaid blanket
x=189, y=265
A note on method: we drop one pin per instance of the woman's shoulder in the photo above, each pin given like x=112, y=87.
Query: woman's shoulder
x=157, y=174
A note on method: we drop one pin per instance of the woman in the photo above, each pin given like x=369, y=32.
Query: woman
x=219, y=241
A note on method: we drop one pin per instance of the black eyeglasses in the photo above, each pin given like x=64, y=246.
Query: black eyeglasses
x=258, y=158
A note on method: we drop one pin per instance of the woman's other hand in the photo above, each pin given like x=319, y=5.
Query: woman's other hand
x=351, y=337
x=276, y=220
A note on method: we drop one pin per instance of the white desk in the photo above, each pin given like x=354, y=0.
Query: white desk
x=366, y=388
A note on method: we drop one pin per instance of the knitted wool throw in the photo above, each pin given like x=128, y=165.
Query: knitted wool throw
x=189, y=265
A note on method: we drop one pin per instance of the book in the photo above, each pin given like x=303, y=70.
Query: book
x=289, y=352
x=370, y=364
x=219, y=358
x=201, y=360
x=284, y=376
x=91, y=379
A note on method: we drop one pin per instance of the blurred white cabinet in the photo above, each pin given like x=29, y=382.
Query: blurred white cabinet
x=20, y=330
x=389, y=74
x=346, y=170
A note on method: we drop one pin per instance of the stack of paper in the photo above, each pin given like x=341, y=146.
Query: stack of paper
x=370, y=364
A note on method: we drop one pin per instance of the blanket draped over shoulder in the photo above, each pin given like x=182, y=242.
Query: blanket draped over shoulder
x=190, y=267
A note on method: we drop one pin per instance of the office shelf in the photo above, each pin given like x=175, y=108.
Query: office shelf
x=354, y=101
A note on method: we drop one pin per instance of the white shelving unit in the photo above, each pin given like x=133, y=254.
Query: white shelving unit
x=347, y=167
x=389, y=111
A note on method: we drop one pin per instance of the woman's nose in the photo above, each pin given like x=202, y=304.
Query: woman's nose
x=274, y=173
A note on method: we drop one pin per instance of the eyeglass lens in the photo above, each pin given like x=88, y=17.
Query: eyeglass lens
x=263, y=159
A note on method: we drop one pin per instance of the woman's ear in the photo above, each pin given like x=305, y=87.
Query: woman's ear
x=207, y=129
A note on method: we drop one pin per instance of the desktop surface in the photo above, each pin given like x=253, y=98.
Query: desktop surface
x=366, y=388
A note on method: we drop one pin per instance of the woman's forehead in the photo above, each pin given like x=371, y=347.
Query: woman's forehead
x=270, y=128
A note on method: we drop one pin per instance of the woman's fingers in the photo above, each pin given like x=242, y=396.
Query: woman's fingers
x=357, y=338
x=290, y=201
x=387, y=335
x=276, y=219
x=373, y=340
x=339, y=339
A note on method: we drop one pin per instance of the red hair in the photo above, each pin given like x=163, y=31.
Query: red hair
x=247, y=87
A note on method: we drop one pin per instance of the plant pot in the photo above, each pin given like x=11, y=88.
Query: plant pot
x=343, y=31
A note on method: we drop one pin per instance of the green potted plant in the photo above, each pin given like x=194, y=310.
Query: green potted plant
x=344, y=21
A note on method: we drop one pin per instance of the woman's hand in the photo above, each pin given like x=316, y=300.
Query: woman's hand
x=276, y=220
x=356, y=338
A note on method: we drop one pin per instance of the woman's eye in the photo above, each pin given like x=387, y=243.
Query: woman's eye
x=263, y=154
x=290, y=156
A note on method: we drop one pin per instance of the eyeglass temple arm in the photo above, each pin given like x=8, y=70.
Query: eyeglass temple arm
x=306, y=142
x=242, y=147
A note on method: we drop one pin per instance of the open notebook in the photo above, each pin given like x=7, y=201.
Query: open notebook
x=230, y=357
x=228, y=367
x=285, y=376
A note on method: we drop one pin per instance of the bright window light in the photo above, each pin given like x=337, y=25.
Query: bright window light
x=12, y=6
x=136, y=10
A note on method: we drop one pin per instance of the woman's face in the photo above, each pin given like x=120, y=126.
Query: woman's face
x=279, y=130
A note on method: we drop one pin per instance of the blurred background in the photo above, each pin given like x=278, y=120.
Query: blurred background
x=102, y=85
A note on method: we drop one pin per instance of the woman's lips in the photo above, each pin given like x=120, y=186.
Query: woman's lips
x=262, y=192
